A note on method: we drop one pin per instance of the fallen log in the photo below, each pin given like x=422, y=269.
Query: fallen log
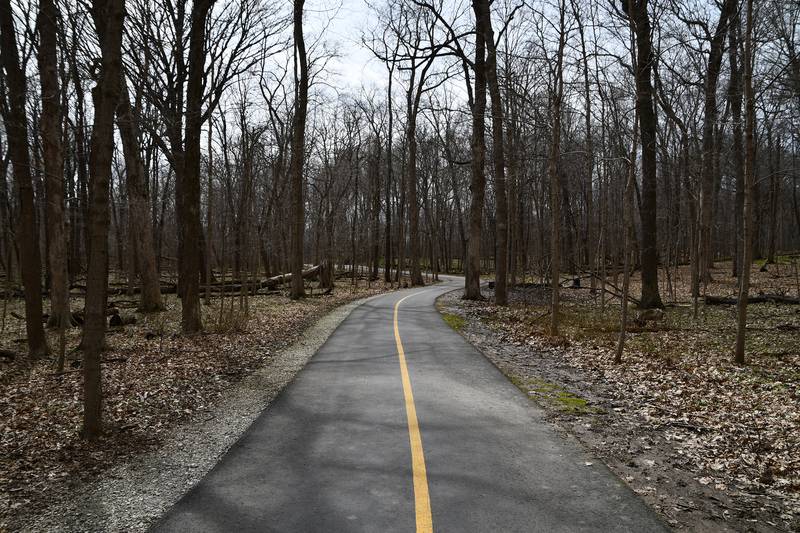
x=271, y=283
x=216, y=286
x=759, y=299
x=118, y=320
x=268, y=284
x=166, y=288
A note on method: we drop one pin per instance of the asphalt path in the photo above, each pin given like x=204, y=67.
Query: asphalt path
x=398, y=424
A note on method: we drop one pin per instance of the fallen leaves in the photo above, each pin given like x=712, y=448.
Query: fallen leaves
x=158, y=379
x=736, y=429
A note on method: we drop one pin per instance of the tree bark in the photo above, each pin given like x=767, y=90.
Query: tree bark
x=411, y=188
x=648, y=125
x=108, y=17
x=590, y=232
x=375, y=210
x=387, y=231
x=774, y=170
x=16, y=124
x=53, y=164
x=627, y=217
x=735, y=99
x=472, y=279
x=709, y=123
x=138, y=205
x=749, y=177
x=188, y=194
x=554, y=170
x=297, y=210
x=498, y=156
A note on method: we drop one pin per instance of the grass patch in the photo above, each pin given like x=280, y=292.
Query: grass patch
x=780, y=259
x=554, y=396
x=454, y=321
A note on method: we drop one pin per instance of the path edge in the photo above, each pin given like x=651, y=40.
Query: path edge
x=134, y=495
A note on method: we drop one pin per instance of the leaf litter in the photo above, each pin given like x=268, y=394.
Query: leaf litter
x=153, y=379
x=711, y=445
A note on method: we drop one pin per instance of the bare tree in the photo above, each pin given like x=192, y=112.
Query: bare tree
x=108, y=16
x=648, y=125
x=472, y=281
x=483, y=23
x=749, y=183
x=16, y=123
x=554, y=171
x=297, y=208
x=138, y=203
x=187, y=196
x=50, y=125
x=709, y=122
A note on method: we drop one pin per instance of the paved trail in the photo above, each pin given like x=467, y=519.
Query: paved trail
x=398, y=424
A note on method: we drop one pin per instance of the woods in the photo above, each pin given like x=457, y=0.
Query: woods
x=158, y=144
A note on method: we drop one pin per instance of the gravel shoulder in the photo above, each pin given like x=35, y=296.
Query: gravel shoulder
x=132, y=495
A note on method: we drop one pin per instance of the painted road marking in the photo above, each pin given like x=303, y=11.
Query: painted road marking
x=422, y=502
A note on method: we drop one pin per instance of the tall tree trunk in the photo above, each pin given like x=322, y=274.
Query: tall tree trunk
x=647, y=131
x=774, y=168
x=709, y=123
x=188, y=194
x=108, y=17
x=627, y=223
x=411, y=188
x=472, y=280
x=375, y=210
x=735, y=98
x=401, y=226
x=498, y=155
x=590, y=231
x=210, y=225
x=749, y=177
x=53, y=163
x=79, y=209
x=16, y=124
x=387, y=231
x=138, y=205
x=554, y=171
x=297, y=216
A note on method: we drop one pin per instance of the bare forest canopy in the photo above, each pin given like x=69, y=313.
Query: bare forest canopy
x=184, y=145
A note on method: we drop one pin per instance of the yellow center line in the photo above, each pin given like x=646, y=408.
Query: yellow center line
x=422, y=502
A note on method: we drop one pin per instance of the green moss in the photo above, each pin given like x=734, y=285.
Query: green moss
x=574, y=404
x=554, y=396
x=518, y=383
x=780, y=259
x=454, y=321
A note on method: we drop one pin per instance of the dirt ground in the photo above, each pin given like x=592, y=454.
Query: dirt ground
x=710, y=445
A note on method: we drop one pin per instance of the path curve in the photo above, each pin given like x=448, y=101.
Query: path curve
x=334, y=451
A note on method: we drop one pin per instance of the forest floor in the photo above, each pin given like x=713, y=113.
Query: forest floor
x=711, y=445
x=153, y=380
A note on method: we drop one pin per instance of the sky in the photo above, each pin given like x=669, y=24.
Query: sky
x=342, y=23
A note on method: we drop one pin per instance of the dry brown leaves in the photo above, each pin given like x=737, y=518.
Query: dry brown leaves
x=153, y=378
x=738, y=427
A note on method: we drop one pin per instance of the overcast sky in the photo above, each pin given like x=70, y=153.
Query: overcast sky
x=342, y=23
